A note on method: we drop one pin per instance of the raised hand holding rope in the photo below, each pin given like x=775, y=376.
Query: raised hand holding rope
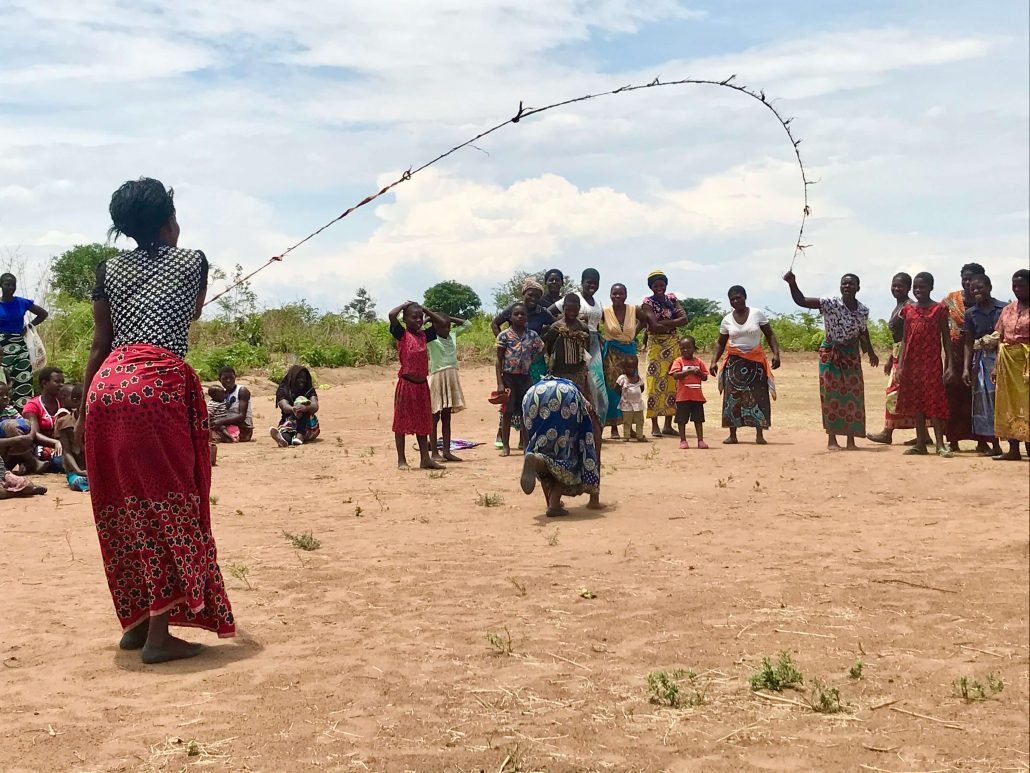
x=525, y=112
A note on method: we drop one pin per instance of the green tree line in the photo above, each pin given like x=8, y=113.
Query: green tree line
x=268, y=340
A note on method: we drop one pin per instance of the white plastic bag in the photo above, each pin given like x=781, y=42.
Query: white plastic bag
x=37, y=353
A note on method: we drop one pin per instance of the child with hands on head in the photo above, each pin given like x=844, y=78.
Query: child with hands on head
x=412, y=402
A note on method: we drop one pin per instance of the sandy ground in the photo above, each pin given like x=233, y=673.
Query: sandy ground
x=372, y=652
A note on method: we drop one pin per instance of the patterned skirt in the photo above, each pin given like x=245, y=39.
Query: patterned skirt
x=412, y=408
x=745, y=397
x=560, y=433
x=150, y=483
x=984, y=392
x=1012, y=400
x=842, y=389
x=891, y=418
x=18, y=368
x=661, y=388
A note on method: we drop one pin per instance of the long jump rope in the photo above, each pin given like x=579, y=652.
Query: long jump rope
x=526, y=112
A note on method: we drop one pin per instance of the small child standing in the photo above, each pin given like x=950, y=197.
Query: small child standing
x=517, y=347
x=412, y=402
x=631, y=402
x=217, y=409
x=444, y=386
x=689, y=371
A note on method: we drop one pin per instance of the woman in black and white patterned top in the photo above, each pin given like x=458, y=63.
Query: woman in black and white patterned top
x=146, y=433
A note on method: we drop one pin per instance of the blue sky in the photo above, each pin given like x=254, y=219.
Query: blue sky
x=270, y=119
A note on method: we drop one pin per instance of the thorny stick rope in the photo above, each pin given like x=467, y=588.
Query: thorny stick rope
x=525, y=112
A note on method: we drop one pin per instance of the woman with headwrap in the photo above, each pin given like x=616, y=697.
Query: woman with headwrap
x=664, y=317
x=591, y=312
x=622, y=321
x=297, y=399
x=959, y=425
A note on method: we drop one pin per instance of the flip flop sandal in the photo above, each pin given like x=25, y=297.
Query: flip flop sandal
x=945, y=453
x=915, y=452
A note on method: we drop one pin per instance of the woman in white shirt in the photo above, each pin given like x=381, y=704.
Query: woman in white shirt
x=746, y=380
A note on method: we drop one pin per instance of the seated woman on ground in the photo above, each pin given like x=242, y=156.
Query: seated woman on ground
x=41, y=412
x=239, y=411
x=297, y=399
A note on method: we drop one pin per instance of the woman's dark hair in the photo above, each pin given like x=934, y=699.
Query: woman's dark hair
x=591, y=273
x=554, y=272
x=736, y=290
x=853, y=276
x=926, y=276
x=8, y=275
x=982, y=279
x=571, y=298
x=1023, y=274
x=972, y=268
x=139, y=209
x=46, y=373
x=618, y=284
x=519, y=305
x=906, y=278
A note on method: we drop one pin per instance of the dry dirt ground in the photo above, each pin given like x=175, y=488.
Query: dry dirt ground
x=372, y=652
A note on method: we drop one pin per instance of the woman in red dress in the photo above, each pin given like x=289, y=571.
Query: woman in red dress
x=146, y=433
x=921, y=376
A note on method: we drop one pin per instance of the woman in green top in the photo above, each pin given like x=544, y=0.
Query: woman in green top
x=444, y=385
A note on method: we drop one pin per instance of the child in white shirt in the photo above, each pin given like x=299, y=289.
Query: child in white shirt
x=631, y=388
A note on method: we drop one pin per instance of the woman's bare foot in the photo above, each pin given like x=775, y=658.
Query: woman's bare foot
x=429, y=464
x=171, y=649
x=134, y=638
x=403, y=466
x=880, y=437
x=555, y=512
x=449, y=457
x=506, y=451
x=731, y=440
x=593, y=505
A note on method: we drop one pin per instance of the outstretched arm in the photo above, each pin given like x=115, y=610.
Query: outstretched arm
x=796, y=294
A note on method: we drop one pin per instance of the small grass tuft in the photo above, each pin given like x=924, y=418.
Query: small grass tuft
x=358, y=512
x=783, y=675
x=304, y=541
x=824, y=699
x=969, y=688
x=241, y=572
x=502, y=644
x=520, y=587
x=490, y=500
x=855, y=672
x=552, y=540
x=213, y=499
x=676, y=688
x=586, y=593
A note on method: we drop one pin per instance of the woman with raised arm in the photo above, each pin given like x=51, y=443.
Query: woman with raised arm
x=841, y=387
x=146, y=433
x=745, y=378
x=664, y=317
